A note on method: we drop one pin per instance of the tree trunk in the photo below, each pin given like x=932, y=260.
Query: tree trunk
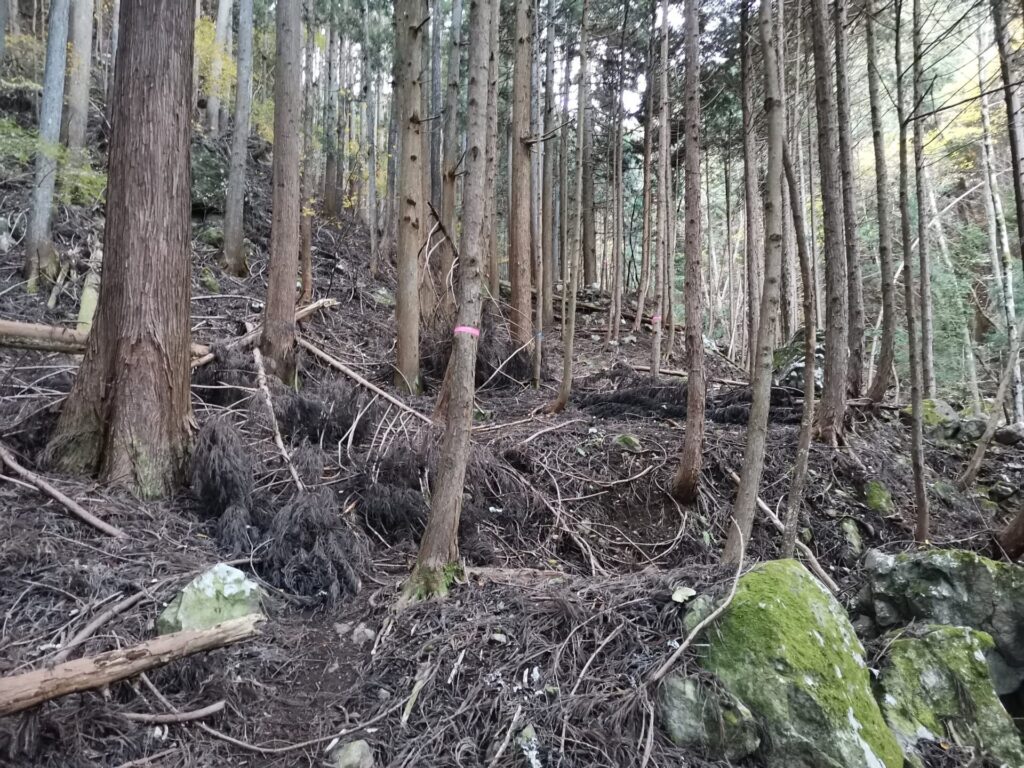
x=645, y=227
x=855, y=297
x=308, y=151
x=687, y=477
x=519, y=261
x=234, y=215
x=79, y=71
x=888, y=341
x=661, y=288
x=439, y=549
x=491, y=216
x=129, y=411
x=409, y=18
x=574, y=262
x=451, y=125
x=331, y=117
x=927, y=335
x=40, y=257
x=436, y=106
x=751, y=199
x=1013, y=118
x=916, y=405
x=548, y=237
x=278, y=340
x=5, y=12
x=372, y=90
x=833, y=398
x=589, y=226
x=213, y=88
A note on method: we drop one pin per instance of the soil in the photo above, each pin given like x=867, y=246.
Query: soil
x=572, y=546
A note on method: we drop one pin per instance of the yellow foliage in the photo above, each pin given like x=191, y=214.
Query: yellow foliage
x=207, y=52
x=263, y=118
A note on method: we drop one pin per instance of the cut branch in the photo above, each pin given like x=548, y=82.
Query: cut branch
x=55, y=338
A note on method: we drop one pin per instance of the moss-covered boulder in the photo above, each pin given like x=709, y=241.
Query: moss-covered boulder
x=878, y=498
x=787, y=650
x=209, y=177
x=935, y=685
x=955, y=588
x=711, y=720
x=215, y=596
x=939, y=418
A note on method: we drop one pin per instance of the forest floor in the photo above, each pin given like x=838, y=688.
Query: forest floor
x=571, y=543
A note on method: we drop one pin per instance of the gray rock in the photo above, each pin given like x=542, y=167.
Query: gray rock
x=955, y=588
x=972, y=429
x=1011, y=434
x=939, y=418
x=854, y=541
x=354, y=754
x=935, y=684
x=215, y=596
x=712, y=721
x=786, y=649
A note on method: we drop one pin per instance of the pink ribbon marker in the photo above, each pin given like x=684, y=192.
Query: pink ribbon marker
x=467, y=329
x=655, y=319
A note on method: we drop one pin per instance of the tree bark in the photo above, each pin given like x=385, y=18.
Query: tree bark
x=436, y=105
x=409, y=18
x=331, y=116
x=451, y=124
x=234, y=215
x=278, y=340
x=661, y=288
x=589, y=226
x=753, y=244
x=916, y=405
x=491, y=217
x=519, y=261
x=549, y=237
x=645, y=227
x=757, y=425
x=370, y=94
x=924, y=261
x=79, y=70
x=833, y=399
x=439, y=548
x=1013, y=115
x=220, y=37
x=887, y=354
x=687, y=477
x=129, y=411
x=40, y=257
x=854, y=282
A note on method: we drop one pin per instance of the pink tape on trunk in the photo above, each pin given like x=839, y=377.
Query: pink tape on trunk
x=467, y=329
x=656, y=319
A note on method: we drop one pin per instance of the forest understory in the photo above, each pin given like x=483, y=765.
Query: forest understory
x=572, y=546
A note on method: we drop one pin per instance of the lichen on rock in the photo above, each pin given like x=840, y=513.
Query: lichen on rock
x=697, y=715
x=215, y=596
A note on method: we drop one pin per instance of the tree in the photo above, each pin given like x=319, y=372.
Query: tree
x=278, y=339
x=409, y=18
x=662, y=289
x=687, y=477
x=751, y=200
x=308, y=155
x=214, y=88
x=371, y=137
x=331, y=116
x=519, y=241
x=757, y=425
x=927, y=319
x=40, y=258
x=234, y=245
x=854, y=282
x=549, y=238
x=887, y=352
x=645, y=226
x=916, y=404
x=127, y=417
x=439, y=548
x=80, y=52
x=833, y=397
x=1015, y=130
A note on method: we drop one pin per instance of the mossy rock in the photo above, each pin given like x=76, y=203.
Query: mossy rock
x=787, y=650
x=698, y=716
x=209, y=178
x=955, y=588
x=209, y=280
x=935, y=685
x=211, y=235
x=938, y=418
x=788, y=362
x=878, y=498
x=217, y=595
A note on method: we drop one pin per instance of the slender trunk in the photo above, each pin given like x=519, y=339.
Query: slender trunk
x=645, y=237
x=409, y=18
x=833, y=399
x=436, y=105
x=687, y=477
x=491, y=215
x=519, y=262
x=331, y=117
x=1013, y=116
x=575, y=261
x=234, y=250
x=615, y=307
x=40, y=257
x=115, y=28
x=589, y=232
x=5, y=12
x=451, y=121
x=549, y=238
x=215, y=88
x=278, y=339
x=79, y=73
x=916, y=404
x=730, y=258
x=753, y=244
x=439, y=548
x=880, y=383
x=855, y=297
x=129, y=411
x=308, y=110
x=927, y=335
x=563, y=159
x=662, y=290
x=371, y=138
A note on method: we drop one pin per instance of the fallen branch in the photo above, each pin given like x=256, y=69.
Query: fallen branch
x=20, y=692
x=254, y=333
x=70, y=504
x=812, y=561
x=340, y=366
x=89, y=629
x=55, y=338
x=261, y=379
x=175, y=717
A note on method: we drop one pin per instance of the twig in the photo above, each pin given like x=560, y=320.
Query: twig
x=508, y=736
x=87, y=631
x=665, y=668
x=583, y=672
x=340, y=366
x=70, y=504
x=261, y=379
x=149, y=758
x=175, y=717
x=812, y=561
x=552, y=428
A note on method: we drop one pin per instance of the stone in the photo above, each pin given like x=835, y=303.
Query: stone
x=1010, y=434
x=955, y=588
x=935, y=684
x=878, y=498
x=212, y=235
x=854, y=547
x=939, y=418
x=217, y=595
x=785, y=648
x=209, y=280
x=1001, y=490
x=354, y=754
x=972, y=429
x=788, y=362
x=696, y=715
x=362, y=634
